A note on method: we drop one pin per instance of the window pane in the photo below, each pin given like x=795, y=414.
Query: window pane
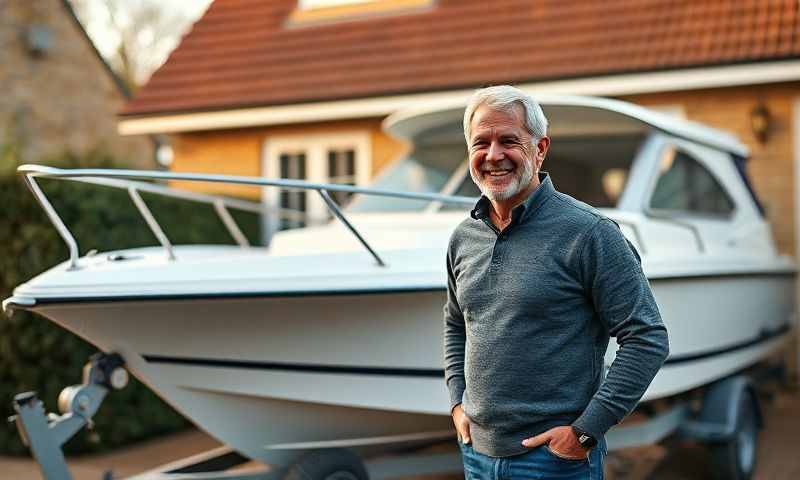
x=341, y=170
x=292, y=202
x=685, y=185
x=284, y=159
x=349, y=163
x=332, y=164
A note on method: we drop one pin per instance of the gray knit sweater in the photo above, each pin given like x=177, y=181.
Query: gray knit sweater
x=528, y=317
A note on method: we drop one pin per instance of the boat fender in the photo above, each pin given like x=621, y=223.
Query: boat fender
x=718, y=419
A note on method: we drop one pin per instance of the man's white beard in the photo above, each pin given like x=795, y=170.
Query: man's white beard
x=517, y=185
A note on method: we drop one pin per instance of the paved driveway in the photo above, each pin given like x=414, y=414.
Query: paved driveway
x=779, y=456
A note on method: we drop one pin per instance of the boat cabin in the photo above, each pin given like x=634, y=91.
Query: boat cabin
x=658, y=176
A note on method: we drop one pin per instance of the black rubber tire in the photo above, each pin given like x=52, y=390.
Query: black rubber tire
x=736, y=459
x=335, y=464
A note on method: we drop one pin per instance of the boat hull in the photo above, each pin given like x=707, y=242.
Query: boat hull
x=273, y=376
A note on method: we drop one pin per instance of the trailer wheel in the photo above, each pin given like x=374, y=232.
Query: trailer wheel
x=336, y=464
x=736, y=458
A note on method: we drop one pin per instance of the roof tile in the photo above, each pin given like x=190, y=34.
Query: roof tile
x=244, y=53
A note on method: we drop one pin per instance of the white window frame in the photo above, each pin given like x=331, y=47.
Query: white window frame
x=316, y=148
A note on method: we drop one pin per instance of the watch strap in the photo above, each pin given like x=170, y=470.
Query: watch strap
x=587, y=441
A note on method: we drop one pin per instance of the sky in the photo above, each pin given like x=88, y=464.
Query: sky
x=182, y=13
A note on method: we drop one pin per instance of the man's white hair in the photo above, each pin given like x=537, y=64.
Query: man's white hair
x=505, y=98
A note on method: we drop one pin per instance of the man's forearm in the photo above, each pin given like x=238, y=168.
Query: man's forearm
x=454, y=340
x=637, y=362
x=625, y=304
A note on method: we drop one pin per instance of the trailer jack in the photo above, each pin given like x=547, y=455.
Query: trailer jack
x=45, y=434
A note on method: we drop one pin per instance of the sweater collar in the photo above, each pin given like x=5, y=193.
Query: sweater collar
x=523, y=210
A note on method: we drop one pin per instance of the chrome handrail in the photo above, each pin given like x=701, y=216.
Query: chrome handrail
x=230, y=223
x=72, y=244
x=125, y=179
x=338, y=212
x=701, y=247
x=151, y=221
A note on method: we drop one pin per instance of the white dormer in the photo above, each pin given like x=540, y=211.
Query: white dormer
x=312, y=4
x=323, y=11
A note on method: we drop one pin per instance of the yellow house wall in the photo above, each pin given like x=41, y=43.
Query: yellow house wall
x=239, y=152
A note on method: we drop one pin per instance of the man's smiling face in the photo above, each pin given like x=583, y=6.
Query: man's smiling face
x=502, y=157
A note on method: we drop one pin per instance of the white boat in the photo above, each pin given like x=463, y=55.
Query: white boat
x=320, y=342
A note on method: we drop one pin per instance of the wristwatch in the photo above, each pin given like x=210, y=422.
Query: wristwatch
x=586, y=440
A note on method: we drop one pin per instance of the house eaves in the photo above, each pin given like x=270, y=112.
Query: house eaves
x=380, y=106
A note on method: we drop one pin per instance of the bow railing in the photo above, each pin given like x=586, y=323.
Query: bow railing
x=131, y=180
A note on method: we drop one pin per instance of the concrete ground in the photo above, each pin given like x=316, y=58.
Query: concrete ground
x=778, y=454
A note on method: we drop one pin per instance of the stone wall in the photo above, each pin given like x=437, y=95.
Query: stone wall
x=61, y=98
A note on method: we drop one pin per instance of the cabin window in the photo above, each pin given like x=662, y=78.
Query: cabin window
x=684, y=184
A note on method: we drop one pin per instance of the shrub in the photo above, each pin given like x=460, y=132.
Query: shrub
x=38, y=355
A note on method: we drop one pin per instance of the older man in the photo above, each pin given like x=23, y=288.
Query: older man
x=537, y=282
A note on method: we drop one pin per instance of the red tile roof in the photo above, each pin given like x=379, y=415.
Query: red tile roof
x=242, y=53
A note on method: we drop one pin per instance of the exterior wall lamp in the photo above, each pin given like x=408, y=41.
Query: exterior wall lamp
x=760, y=120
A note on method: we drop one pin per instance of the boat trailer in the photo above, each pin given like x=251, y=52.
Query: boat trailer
x=728, y=421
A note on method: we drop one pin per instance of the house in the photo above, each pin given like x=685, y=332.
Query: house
x=58, y=94
x=299, y=88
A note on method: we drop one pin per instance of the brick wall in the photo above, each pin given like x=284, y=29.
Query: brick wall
x=771, y=164
x=63, y=99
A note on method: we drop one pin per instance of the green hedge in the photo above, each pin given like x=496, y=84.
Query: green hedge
x=38, y=355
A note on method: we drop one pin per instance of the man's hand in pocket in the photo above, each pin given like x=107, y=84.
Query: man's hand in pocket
x=562, y=441
x=461, y=422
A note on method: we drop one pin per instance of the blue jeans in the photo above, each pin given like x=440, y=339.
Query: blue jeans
x=537, y=464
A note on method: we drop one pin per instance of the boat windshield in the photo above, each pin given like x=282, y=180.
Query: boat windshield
x=591, y=168
x=426, y=170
